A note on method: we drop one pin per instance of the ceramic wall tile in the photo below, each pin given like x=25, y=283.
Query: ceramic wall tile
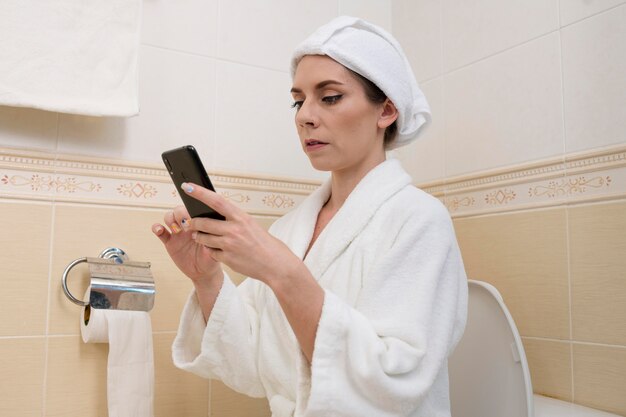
x=574, y=10
x=255, y=129
x=377, y=12
x=504, y=110
x=597, y=263
x=417, y=26
x=550, y=364
x=476, y=29
x=594, y=64
x=266, y=33
x=177, y=94
x=524, y=255
x=189, y=26
x=424, y=158
x=176, y=392
x=227, y=403
x=21, y=379
x=86, y=231
x=28, y=128
x=24, y=266
x=76, y=382
x=600, y=377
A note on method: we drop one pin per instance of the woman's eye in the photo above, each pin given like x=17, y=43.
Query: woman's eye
x=297, y=104
x=332, y=99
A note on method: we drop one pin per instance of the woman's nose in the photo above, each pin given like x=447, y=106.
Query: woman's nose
x=306, y=115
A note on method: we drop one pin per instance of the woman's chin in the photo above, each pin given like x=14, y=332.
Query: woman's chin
x=320, y=164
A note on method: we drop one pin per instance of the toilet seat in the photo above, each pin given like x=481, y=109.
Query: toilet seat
x=488, y=371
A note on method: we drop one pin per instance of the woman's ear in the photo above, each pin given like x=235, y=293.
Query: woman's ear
x=389, y=114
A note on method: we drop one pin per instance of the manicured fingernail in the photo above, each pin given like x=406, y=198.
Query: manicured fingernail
x=158, y=230
x=194, y=235
x=175, y=228
x=187, y=187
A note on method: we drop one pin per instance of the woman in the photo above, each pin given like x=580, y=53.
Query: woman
x=355, y=298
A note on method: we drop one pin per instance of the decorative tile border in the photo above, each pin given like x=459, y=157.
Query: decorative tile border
x=578, y=178
x=44, y=176
x=584, y=177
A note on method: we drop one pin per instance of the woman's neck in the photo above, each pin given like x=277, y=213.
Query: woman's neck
x=344, y=182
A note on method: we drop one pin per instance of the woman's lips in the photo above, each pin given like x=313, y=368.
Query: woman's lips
x=314, y=144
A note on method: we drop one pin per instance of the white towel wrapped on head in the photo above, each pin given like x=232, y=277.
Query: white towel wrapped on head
x=373, y=53
x=71, y=56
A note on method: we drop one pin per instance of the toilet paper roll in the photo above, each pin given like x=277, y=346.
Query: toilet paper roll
x=130, y=370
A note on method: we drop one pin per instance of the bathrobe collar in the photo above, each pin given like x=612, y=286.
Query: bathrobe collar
x=371, y=192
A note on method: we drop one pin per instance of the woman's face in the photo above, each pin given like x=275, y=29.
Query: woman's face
x=339, y=127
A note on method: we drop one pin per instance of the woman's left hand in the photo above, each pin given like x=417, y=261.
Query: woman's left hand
x=239, y=241
x=242, y=244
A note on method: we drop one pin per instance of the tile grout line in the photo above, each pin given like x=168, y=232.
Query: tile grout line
x=48, y=302
x=74, y=335
x=567, y=211
x=569, y=294
x=22, y=337
x=216, y=58
x=213, y=145
x=50, y=261
x=590, y=16
x=499, y=52
x=574, y=342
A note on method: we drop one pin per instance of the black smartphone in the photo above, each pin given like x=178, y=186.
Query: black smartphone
x=184, y=165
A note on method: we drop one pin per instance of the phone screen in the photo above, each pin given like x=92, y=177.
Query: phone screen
x=184, y=165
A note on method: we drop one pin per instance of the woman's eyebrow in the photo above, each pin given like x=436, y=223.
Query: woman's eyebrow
x=319, y=85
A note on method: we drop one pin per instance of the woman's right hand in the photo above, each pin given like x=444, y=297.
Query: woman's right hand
x=193, y=259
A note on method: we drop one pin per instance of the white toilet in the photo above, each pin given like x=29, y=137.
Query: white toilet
x=488, y=371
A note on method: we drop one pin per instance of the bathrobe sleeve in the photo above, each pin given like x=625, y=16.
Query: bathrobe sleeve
x=383, y=356
x=225, y=347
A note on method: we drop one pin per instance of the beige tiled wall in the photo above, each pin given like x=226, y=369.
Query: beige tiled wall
x=507, y=84
x=22, y=362
x=46, y=368
x=520, y=83
x=25, y=254
x=524, y=255
x=207, y=78
x=600, y=376
x=562, y=274
x=598, y=273
x=550, y=363
x=226, y=402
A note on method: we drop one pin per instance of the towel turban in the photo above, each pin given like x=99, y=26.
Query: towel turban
x=373, y=53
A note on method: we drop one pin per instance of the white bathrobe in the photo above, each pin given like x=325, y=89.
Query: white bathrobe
x=395, y=307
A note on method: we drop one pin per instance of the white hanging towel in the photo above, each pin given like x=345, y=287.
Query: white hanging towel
x=70, y=56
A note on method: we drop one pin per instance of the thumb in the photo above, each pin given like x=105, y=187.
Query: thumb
x=161, y=232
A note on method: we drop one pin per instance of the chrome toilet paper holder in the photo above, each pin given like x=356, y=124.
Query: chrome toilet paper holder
x=116, y=282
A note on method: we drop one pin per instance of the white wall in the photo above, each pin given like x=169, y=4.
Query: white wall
x=213, y=73
x=508, y=82
x=512, y=82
